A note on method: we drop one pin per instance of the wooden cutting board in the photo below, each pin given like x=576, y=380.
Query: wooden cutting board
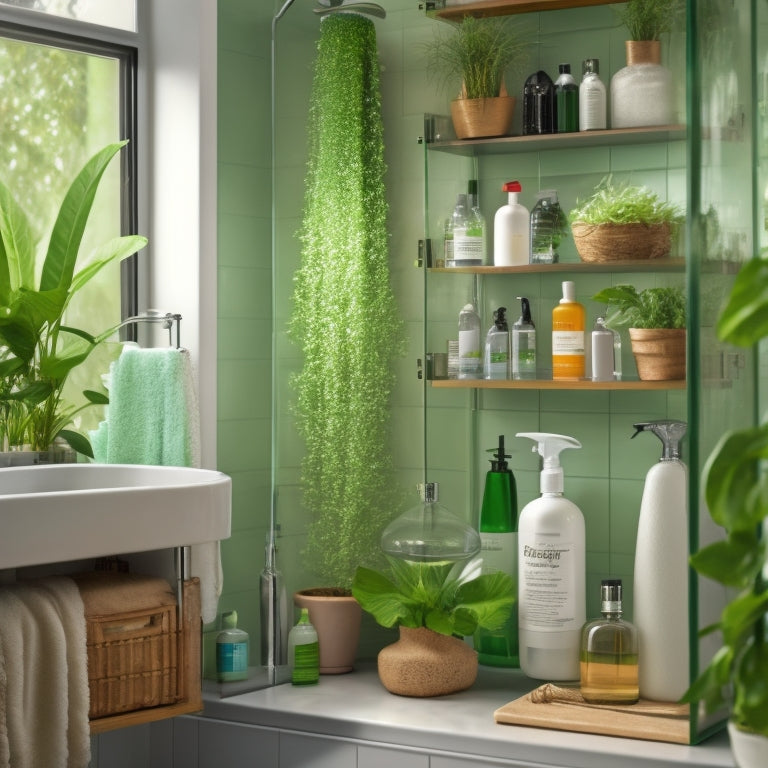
x=563, y=709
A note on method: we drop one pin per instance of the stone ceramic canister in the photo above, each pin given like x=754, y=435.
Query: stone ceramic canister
x=642, y=93
x=425, y=663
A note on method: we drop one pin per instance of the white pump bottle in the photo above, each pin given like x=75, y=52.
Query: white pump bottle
x=661, y=570
x=551, y=571
x=511, y=230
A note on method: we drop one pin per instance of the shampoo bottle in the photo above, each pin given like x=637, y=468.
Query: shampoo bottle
x=498, y=547
x=511, y=230
x=496, y=359
x=231, y=650
x=524, y=343
x=552, y=571
x=566, y=101
x=661, y=570
x=568, y=336
x=592, y=98
x=470, y=358
x=304, y=652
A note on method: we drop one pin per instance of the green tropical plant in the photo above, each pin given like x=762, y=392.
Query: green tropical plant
x=624, y=204
x=649, y=19
x=476, y=55
x=649, y=308
x=345, y=318
x=448, y=598
x=736, y=491
x=38, y=349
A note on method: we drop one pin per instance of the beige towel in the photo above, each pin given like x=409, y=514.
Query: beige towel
x=44, y=698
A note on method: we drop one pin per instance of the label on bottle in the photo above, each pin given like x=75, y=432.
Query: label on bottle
x=306, y=663
x=468, y=250
x=469, y=351
x=231, y=657
x=499, y=552
x=547, y=598
x=567, y=342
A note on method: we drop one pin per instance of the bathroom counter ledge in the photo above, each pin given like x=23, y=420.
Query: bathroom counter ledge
x=356, y=707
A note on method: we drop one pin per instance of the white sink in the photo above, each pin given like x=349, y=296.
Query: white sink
x=61, y=512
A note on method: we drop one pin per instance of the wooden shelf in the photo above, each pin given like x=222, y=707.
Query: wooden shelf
x=634, y=265
x=612, y=137
x=562, y=384
x=483, y=8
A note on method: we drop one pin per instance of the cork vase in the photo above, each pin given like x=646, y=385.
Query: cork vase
x=424, y=663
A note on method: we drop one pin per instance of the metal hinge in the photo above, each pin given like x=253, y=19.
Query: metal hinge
x=419, y=369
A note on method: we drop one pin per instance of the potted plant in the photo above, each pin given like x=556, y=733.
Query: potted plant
x=734, y=481
x=475, y=57
x=38, y=349
x=656, y=318
x=434, y=604
x=642, y=93
x=618, y=223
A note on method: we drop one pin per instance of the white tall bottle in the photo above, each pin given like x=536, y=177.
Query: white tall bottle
x=661, y=570
x=551, y=571
x=511, y=230
x=592, y=98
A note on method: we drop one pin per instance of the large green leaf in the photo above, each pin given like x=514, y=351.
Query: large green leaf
x=67, y=234
x=76, y=346
x=734, y=561
x=17, y=247
x=744, y=319
x=22, y=322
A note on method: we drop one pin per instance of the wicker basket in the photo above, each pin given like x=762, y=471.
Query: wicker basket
x=598, y=243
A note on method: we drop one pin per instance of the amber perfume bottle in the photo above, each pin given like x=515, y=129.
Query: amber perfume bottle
x=609, y=669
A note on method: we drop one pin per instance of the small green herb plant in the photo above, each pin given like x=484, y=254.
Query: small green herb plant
x=476, y=55
x=649, y=308
x=624, y=204
x=736, y=490
x=649, y=19
x=448, y=598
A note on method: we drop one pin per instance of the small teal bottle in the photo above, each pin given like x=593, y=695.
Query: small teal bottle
x=304, y=652
x=498, y=542
x=231, y=650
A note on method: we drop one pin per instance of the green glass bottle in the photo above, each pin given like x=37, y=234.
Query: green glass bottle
x=498, y=541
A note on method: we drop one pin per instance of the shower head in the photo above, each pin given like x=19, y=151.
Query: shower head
x=350, y=6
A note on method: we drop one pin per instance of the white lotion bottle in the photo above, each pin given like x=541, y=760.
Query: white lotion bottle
x=511, y=230
x=551, y=571
x=661, y=570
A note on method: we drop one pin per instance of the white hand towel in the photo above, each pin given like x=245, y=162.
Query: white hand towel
x=44, y=697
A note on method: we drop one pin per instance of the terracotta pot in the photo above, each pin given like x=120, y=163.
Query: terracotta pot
x=659, y=353
x=482, y=118
x=425, y=663
x=336, y=616
x=750, y=750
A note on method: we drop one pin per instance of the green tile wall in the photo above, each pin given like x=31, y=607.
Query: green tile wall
x=604, y=477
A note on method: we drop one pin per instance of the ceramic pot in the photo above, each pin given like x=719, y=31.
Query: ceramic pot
x=336, y=616
x=750, y=750
x=642, y=93
x=425, y=663
x=659, y=353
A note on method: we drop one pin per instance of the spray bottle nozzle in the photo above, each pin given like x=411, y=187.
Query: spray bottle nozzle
x=525, y=311
x=548, y=446
x=500, y=318
x=670, y=433
x=498, y=463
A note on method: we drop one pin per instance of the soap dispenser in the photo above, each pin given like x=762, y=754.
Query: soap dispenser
x=511, y=230
x=524, y=343
x=552, y=570
x=498, y=542
x=496, y=358
x=661, y=569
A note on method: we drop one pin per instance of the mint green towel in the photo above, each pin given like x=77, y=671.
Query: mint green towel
x=152, y=416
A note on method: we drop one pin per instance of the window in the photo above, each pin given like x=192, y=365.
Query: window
x=62, y=98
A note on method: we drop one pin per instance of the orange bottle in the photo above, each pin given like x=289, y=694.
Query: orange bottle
x=568, y=336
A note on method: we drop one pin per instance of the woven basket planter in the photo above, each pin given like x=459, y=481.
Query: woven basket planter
x=659, y=353
x=424, y=663
x=482, y=118
x=598, y=243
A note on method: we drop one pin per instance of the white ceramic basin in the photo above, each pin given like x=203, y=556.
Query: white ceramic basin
x=61, y=512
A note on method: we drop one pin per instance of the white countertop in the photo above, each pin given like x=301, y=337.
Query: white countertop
x=356, y=706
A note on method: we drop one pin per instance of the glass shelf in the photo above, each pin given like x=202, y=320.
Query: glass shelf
x=563, y=384
x=483, y=8
x=505, y=144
